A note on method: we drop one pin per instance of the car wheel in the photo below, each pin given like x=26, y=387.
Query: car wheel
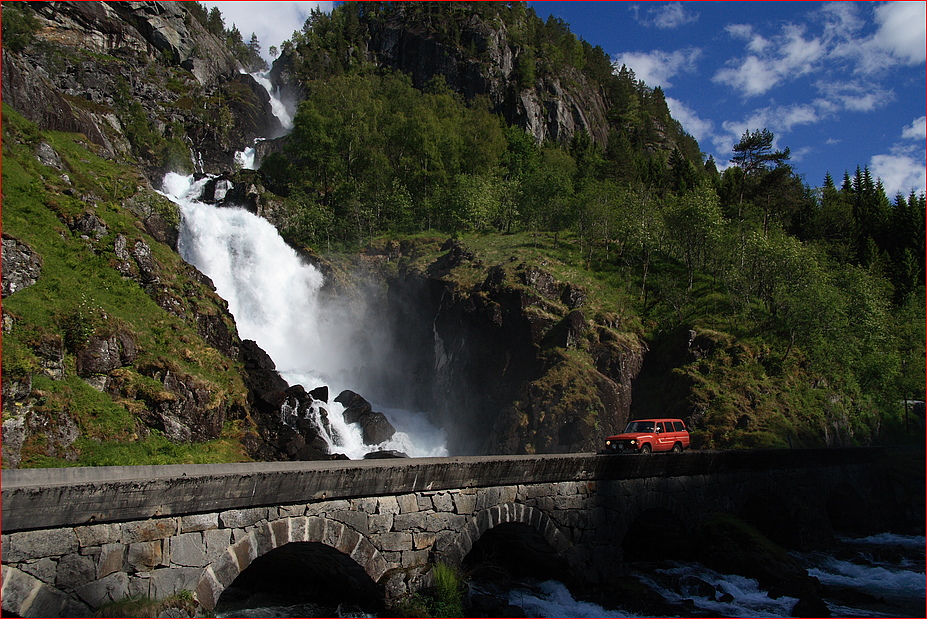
x=677, y=448
x=645, y=448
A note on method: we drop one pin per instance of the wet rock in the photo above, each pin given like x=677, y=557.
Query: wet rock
x=21, y=265
x=810, y=607
x=376, y=428
x=320, y=393
x=730, y=546
x=355, y=406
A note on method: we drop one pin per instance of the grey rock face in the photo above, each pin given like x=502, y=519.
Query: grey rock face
x=555, y=108
x=21, y=265
x=101, y=355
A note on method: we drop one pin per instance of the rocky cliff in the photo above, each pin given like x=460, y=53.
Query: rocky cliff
x=509, y=358
x=555, y=108
x=112, y=345
x=139, y=79
x=481, y=58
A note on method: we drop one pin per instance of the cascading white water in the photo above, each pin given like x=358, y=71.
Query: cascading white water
x=274, y=296
x=277, y=106
x=247, y=159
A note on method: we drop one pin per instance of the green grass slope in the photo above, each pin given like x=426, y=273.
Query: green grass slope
x=81, y=294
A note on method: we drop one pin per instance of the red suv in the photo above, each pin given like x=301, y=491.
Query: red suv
x=647, y=435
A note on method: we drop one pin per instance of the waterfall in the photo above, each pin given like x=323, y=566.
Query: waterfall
x=247, y=159
x=277, y=106
x=274, y=296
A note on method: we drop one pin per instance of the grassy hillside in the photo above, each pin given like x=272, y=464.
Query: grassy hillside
x=81, y=294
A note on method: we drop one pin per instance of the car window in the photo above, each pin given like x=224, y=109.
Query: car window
x=661, y=427
x=680, y=426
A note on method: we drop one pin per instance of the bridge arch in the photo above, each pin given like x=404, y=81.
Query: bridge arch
x=269, y=536
x=460, y=546
x=647, y=504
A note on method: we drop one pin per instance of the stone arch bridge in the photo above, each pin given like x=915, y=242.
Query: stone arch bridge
x=77, y=538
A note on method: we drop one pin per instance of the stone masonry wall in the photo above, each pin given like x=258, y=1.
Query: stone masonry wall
x=395, y=538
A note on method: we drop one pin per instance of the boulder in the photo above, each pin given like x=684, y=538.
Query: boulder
x=320, y=394
x=90, y=225
x=376, y=428
x=730, y=546
x=355, y=406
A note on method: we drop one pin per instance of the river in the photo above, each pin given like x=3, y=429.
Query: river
x=877, y=576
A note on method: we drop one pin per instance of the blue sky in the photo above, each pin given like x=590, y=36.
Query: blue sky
x=842, y=84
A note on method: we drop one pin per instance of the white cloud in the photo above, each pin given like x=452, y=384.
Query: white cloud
x=666, y=16
x=898, y=38
x=904, y=168
x=900, y=173
x=778, y=119
x=272, y=22
x=917, y=130
x=841, y=21
x=854, y=96
x=695, y=126
x=902, y=30
x=657, y=67
x=800, y=154
x=788, y=55
x=752, y=77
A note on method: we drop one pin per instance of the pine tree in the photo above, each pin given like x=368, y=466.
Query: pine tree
x=754, y=155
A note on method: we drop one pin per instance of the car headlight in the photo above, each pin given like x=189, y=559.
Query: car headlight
x=608, y=443
x=634, y=441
